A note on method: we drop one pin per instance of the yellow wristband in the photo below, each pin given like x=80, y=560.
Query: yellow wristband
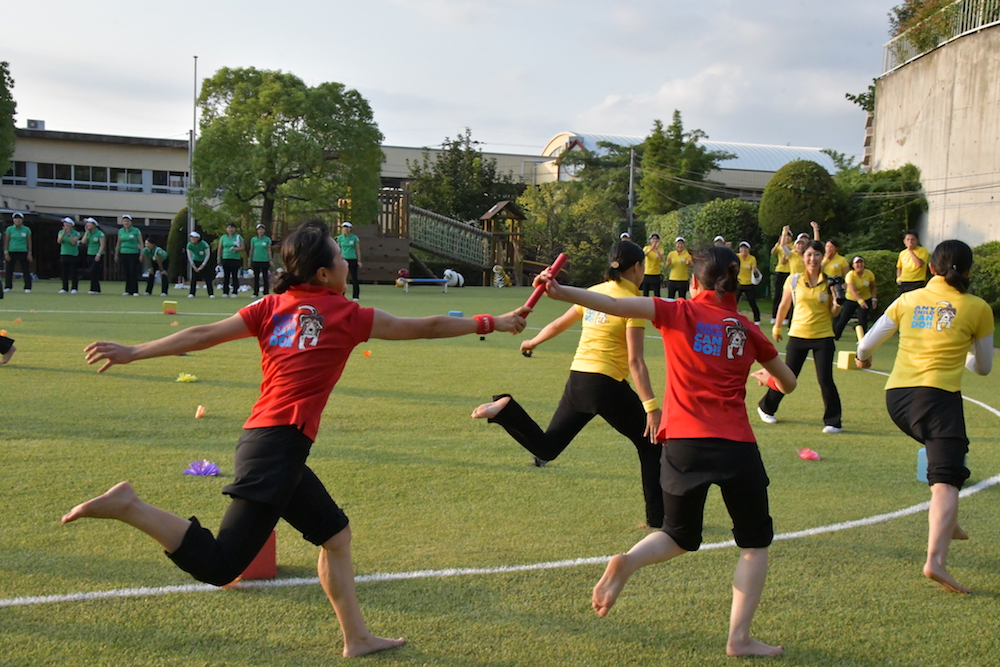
x=651, y=405
x=776, y=331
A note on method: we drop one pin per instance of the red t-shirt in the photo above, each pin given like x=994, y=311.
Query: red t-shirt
x=306, y=336
x=709, y=350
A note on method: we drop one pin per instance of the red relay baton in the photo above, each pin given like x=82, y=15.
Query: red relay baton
x=554, y=270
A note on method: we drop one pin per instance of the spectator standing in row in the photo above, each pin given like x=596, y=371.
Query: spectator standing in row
x=17, y=251
x=158, y=261
x=69, y=256
x=127, y=253
x=653, y=266
x=679, y=263
x=911, y=267
x=748, y=287
x=350, y=245
x=97, y=246
x=834, y=264
x=260, y=261
x=230, y=247
x=198, y=253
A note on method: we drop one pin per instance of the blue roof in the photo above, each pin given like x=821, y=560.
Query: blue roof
x=749, y=157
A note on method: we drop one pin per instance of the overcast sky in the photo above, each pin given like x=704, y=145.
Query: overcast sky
x=515, y=71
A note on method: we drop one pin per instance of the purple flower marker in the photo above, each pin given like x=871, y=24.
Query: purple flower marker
x=204, y=468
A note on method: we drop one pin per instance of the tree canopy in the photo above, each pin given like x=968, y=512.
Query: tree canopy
x=7, y=108
x=460, y=182
x=268, y=139
x=798, y=193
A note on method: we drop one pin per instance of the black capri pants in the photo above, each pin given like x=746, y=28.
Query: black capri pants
x=848, y=310
x=796, y=351
x=936, y=419
x=690, y=466
x=231, y=275
x=677, y=289
x=587, y=395
x=271, y=482
x=651, y=283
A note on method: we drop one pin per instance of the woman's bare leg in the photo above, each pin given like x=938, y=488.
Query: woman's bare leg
x=7, y=355
x=491, y=409
x=336, y=574
x=748, y=584
x=122, y=503
x=942, y=522
x=654, y=548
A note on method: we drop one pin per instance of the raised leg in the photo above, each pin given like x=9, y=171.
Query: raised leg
x=654, y=548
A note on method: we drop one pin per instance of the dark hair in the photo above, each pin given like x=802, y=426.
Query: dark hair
x=815, y=245
x=908, y=232
x=304, y=251
x=834, y=243
x=623, y=256
x=717, y=267
x=952, y=259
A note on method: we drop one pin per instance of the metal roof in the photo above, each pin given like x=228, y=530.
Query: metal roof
x=749, y=157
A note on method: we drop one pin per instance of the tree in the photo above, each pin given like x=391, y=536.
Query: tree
x=267, y=138
x=733, y=219
x=879, y=206
x=798, y=193
x=460, y=182
x=674, y=166
x=7, y=108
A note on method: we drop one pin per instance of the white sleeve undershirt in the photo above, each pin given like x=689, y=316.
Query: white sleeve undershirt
x=881, y=331
x=980, y=359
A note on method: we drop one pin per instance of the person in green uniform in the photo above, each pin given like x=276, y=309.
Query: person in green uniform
x=260, y=260
x=127, y=253
x=96, y=243
x=69, y=256
x=198, y=254
x=17, y=251
x=350, y=245
x=230, y=247
x=158, y=261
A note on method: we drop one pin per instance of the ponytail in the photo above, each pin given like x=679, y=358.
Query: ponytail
x=623, y=256
x=952, y=261
x=304, y=252
x=717, y=268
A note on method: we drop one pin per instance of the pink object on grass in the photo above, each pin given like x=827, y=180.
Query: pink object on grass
x=807, y=454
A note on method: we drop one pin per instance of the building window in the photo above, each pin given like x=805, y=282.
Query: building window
x=126, y=180
x=17, y=174
x=169, y=182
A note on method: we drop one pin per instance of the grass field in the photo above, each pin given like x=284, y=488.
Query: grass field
x=429, y=489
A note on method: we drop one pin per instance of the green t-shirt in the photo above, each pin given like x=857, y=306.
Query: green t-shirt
x=18, y=238
x=198, y=252
x=93, y=240
x=349, y=245
x=66, y=246
x=226, y=242
x=259, y=244
x=130, y=240
x=152, y=255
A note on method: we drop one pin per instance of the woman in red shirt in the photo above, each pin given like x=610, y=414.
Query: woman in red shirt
x=707, y=438
x=306, y=332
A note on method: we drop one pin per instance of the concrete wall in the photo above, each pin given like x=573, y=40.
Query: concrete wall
x=942, y=113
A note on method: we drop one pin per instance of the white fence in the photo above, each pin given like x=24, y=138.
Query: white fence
x=951, y=22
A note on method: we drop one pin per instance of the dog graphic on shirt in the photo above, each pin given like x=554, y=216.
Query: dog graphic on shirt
x=945, y=315
x=310, y=326
x=737, y=335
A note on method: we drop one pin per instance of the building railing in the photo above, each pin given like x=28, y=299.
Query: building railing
x=951, y=22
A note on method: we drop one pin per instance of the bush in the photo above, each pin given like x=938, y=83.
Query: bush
x=798, y=193
x=734, y=219
x=986, y=274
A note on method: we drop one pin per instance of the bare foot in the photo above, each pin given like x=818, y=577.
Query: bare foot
x=7, y=355
x=942, y=577
x=490, y=410
x=959, y=534
x=611, y=584
x=371, y=644
x=751, y=646
x=113, y=504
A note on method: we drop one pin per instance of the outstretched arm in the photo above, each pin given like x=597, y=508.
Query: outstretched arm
x=188, y=340
x=639, y=307
x=390, y=327
x=553, y=329
x=881, y=331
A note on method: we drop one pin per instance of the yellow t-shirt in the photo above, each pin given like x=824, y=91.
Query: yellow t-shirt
x=679, y=265
x=782, y=264
x=811, y=318
x=746, y=269
x=911, y=272
x=937, y=326
x=863, y=284
x=654, y=260
x=796, y=264
x=834, y=266
x=603, y=348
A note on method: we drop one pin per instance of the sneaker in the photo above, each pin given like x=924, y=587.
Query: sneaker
x=211, y=296
x=126, y=294
x=772, y=320
x=190, y=296
x=766, y=418
x=832, y=429
x=6, y=289
x=232, y=296
x=27, y=291
x=537, y=462
x=62, y=291
x=146, y=294
x=72, y=291
x=136, y=294
x=357, y=301
x=785, y=323
x=93, y=292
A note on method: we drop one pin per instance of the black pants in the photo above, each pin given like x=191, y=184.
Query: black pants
x=586, y=396
x=352, y=265
x=749, y=292
x=261, y=277
x=848, y=310
x=936, y=419
x=677, y=289
x=96, y=267
x=796, y=351
x=130, y=266
x=231, y=275
x=910, y=286
x=272, y=482
x=18, y=259
x=206, y=275
x=164, y=279
x=779, y=290
x=69, y=266
x=651, y=283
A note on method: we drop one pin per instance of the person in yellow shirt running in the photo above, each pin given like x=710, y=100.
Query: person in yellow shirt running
x=748, y=288
x=937, y=327
x=610, y=348
x=811, y=331
x=911, y=267
x=862, y=297
x=653, y=276
x=679, y=263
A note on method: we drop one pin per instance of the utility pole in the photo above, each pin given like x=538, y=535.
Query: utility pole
x=191, y=140
x=631, y=188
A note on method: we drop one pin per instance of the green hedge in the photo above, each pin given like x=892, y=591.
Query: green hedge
x=986, y=274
